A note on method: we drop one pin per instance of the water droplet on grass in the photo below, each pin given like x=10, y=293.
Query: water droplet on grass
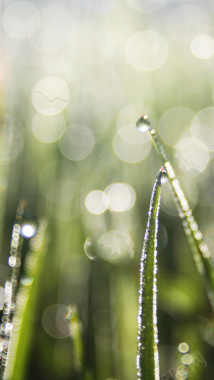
x=164, y=176
x=143, y=124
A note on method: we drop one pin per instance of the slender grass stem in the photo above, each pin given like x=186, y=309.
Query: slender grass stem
x=25, y=306
x=200, y=250
x=147, y=357
x=11, y=287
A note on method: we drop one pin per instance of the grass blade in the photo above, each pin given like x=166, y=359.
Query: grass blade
x=25, y=307
x=200, y=250
x=147, y=357
x=11, y=287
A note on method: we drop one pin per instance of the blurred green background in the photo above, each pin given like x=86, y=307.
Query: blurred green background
x=74, y=78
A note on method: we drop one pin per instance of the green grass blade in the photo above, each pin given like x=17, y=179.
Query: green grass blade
x=200, y=250
x=11, y=287
x=147, y=357
x=25, y=307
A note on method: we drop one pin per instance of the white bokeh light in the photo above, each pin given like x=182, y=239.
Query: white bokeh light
x=202, y=46
x=48, y=129
x=96, y=202
x=28, y=229
x=146, y=50
x=50, y=95
x=121, y=197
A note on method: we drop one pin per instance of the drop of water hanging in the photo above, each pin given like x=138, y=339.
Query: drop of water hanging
x=164, y=176
x=143, y=124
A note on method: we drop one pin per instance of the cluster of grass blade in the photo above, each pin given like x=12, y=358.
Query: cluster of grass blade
x=21, y=294
x=147, y=357
x=20, y=297
x=11, y=287
x=26, y=298
x=200, y=250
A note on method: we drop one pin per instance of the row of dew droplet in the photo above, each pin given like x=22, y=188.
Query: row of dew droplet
x=201, y=252
x=147, y=312
x=23, y=228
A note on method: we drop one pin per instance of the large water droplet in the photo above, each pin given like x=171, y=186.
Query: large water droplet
x=143, y=124
x=164, y=176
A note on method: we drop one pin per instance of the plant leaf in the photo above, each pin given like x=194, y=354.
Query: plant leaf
x=200, y=250
x=147, y=357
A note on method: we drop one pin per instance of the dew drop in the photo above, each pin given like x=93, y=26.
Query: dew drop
x=143, y=124
x=164, y=176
